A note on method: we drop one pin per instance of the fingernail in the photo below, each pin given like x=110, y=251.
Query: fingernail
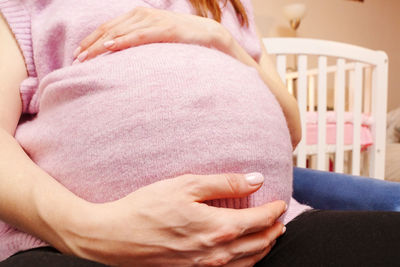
x=75, y=62
x=283, y=230
x=286, y=207
x=77, y=51
x=254, y=178
x=82, y=56
x=108, y=44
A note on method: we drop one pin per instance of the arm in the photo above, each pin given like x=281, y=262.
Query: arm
x=29, y=198
x=267, y=71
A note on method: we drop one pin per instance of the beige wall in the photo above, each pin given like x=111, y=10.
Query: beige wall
x=373, y=24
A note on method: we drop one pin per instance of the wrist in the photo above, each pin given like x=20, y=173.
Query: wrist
x=61, y=217
x=228, y=44
x=221, y=39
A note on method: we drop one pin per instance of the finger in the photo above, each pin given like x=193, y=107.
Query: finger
x=248, y=249
x=259, y=218
x=139, y=36
x=229, y=185
x=103, y=43
x=234, y=223
x=100, y=31
x=251, y=260
x=255, y=243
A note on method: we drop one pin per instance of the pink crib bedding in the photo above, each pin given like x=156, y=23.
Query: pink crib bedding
x=312, y=129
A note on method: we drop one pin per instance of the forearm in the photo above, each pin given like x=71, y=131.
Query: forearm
x=272, y=79
x=32, y=200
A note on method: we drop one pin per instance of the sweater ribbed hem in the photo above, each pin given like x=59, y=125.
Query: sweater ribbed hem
x=13, y=241
x=232, y=203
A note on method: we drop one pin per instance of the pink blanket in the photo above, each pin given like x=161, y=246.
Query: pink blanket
x=312, y=129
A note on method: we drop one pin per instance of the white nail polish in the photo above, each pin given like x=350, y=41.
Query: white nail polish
x=254, y=178
x=77, y=51
x=108, y=44
x=283, y=230
x=82, y=56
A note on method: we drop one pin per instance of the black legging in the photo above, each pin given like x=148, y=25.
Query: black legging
x=339, y=238
x=314, y=238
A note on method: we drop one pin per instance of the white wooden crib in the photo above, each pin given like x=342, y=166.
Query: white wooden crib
x=347, y=82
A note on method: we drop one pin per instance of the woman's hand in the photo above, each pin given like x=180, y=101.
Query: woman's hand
x=148, y=25
x=166, y=224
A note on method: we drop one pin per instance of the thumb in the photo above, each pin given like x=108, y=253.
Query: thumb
x=216, y=186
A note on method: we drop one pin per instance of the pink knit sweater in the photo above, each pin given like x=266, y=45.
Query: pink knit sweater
x=123, y=120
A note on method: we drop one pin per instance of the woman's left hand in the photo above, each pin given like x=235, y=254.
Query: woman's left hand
x=148, y=25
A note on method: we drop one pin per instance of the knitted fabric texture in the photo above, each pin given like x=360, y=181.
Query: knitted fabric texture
x=113, y=124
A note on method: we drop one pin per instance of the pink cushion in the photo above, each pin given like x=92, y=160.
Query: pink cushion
x=312, y=129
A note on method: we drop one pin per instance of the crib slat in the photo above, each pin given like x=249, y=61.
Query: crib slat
x=339, y=108
x=302, y=102
x=374, y=108
x=311, y=92
x=357, y=96
x=281, y=66
x=367, y=90
x=379, y=107
x=350, y=95
x=322, y=77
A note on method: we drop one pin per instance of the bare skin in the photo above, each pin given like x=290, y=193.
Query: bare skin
x=132, y=231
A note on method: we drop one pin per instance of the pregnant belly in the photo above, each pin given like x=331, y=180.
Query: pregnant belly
x=121, y=121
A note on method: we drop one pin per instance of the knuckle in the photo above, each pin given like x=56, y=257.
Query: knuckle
x=225, y=234
x=157, y=20
x=170, y=32
x=190, y=184
x=139, y=9
x=189, y=181
x=269, y=218
x=218, y=259
x=234, y=181
x=206, y=242
x=266, y=242
x=102, y=28
x=251, y=261
x=108, y=34
x=222, y=235
x=133, y=11
x=172, y=28
x=281, y=205
x=141, y=35
x=84, y=43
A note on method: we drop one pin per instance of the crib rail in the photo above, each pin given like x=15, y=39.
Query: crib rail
x=359, y=86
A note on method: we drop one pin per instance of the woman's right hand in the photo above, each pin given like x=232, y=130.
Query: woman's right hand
x=166, y=224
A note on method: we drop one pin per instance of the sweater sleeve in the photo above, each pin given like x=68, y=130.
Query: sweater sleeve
x=19, y=20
